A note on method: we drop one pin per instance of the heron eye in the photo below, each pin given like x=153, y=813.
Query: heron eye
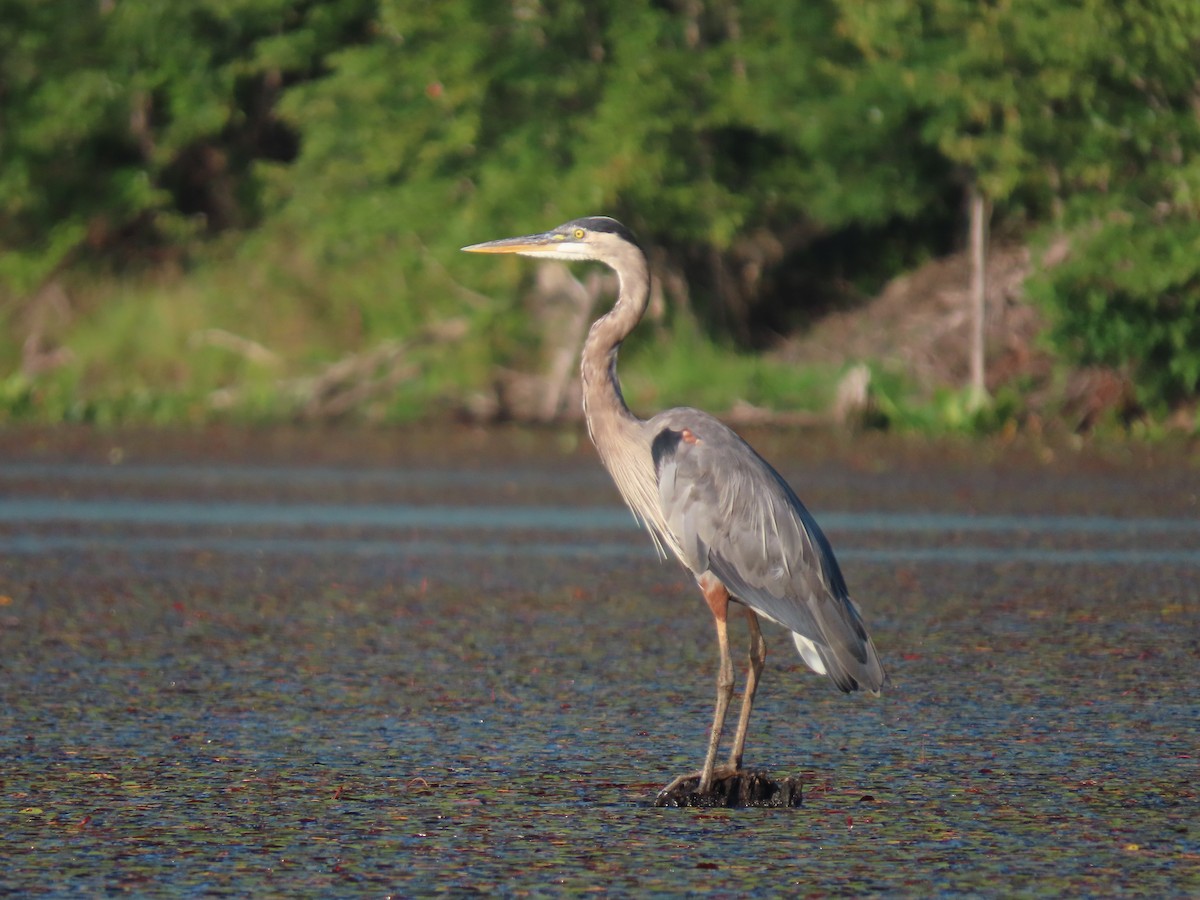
x=579, y=234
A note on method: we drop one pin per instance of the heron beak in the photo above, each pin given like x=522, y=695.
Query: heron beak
x=525, y=244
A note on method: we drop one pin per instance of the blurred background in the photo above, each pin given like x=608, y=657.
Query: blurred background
x=935, y=215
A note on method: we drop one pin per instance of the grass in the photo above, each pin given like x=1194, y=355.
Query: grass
x=682, y=367
x=235, y=337
x=230, y=339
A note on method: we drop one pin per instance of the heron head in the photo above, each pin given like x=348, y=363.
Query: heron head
x=594, y=237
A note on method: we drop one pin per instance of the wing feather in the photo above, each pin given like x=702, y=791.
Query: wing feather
x=733, y=515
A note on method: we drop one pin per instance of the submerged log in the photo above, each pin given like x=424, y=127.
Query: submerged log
x=740, y=789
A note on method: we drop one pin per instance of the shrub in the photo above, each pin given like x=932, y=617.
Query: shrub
x=1129, y=297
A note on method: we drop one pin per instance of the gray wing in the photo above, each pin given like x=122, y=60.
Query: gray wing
x=734, y=516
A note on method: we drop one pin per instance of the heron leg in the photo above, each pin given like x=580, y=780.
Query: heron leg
x=718, y=601
x=758, y=655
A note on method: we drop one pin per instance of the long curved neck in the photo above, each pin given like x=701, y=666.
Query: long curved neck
x=620, y=439
x=604, y=406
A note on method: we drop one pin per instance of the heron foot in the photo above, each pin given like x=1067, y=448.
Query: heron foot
x=731, y=788
x=692, y=781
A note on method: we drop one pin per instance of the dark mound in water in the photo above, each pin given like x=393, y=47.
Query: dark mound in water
x=740, y=789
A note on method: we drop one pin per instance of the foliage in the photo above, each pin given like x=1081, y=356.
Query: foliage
x=323, y=161
x=139, y=118
x=717, y=134
x=676, y=368
x=1129, y=297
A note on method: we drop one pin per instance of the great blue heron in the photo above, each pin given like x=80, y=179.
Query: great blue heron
x=705, y=494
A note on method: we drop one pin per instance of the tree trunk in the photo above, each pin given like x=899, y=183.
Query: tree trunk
x=977, y=297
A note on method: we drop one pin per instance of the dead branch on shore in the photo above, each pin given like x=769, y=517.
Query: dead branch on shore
x=355, y=380
x=352, y=382
x=560, y=305
x=48, y=313
x=250, y=350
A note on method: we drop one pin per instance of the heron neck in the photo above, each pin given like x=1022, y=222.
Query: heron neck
x=604, y=405
x=618, y=434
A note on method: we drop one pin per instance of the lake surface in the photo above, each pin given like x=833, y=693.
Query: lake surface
x=239, y=663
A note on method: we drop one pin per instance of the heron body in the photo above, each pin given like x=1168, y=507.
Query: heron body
x=707, y=497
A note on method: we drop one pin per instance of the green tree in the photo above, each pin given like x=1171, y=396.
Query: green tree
x=144, y=117
x=1062, y=112
x=1125, y=158
x=779, y=157
x=717, y=130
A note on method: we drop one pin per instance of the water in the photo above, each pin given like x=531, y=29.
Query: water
x=246, y=678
